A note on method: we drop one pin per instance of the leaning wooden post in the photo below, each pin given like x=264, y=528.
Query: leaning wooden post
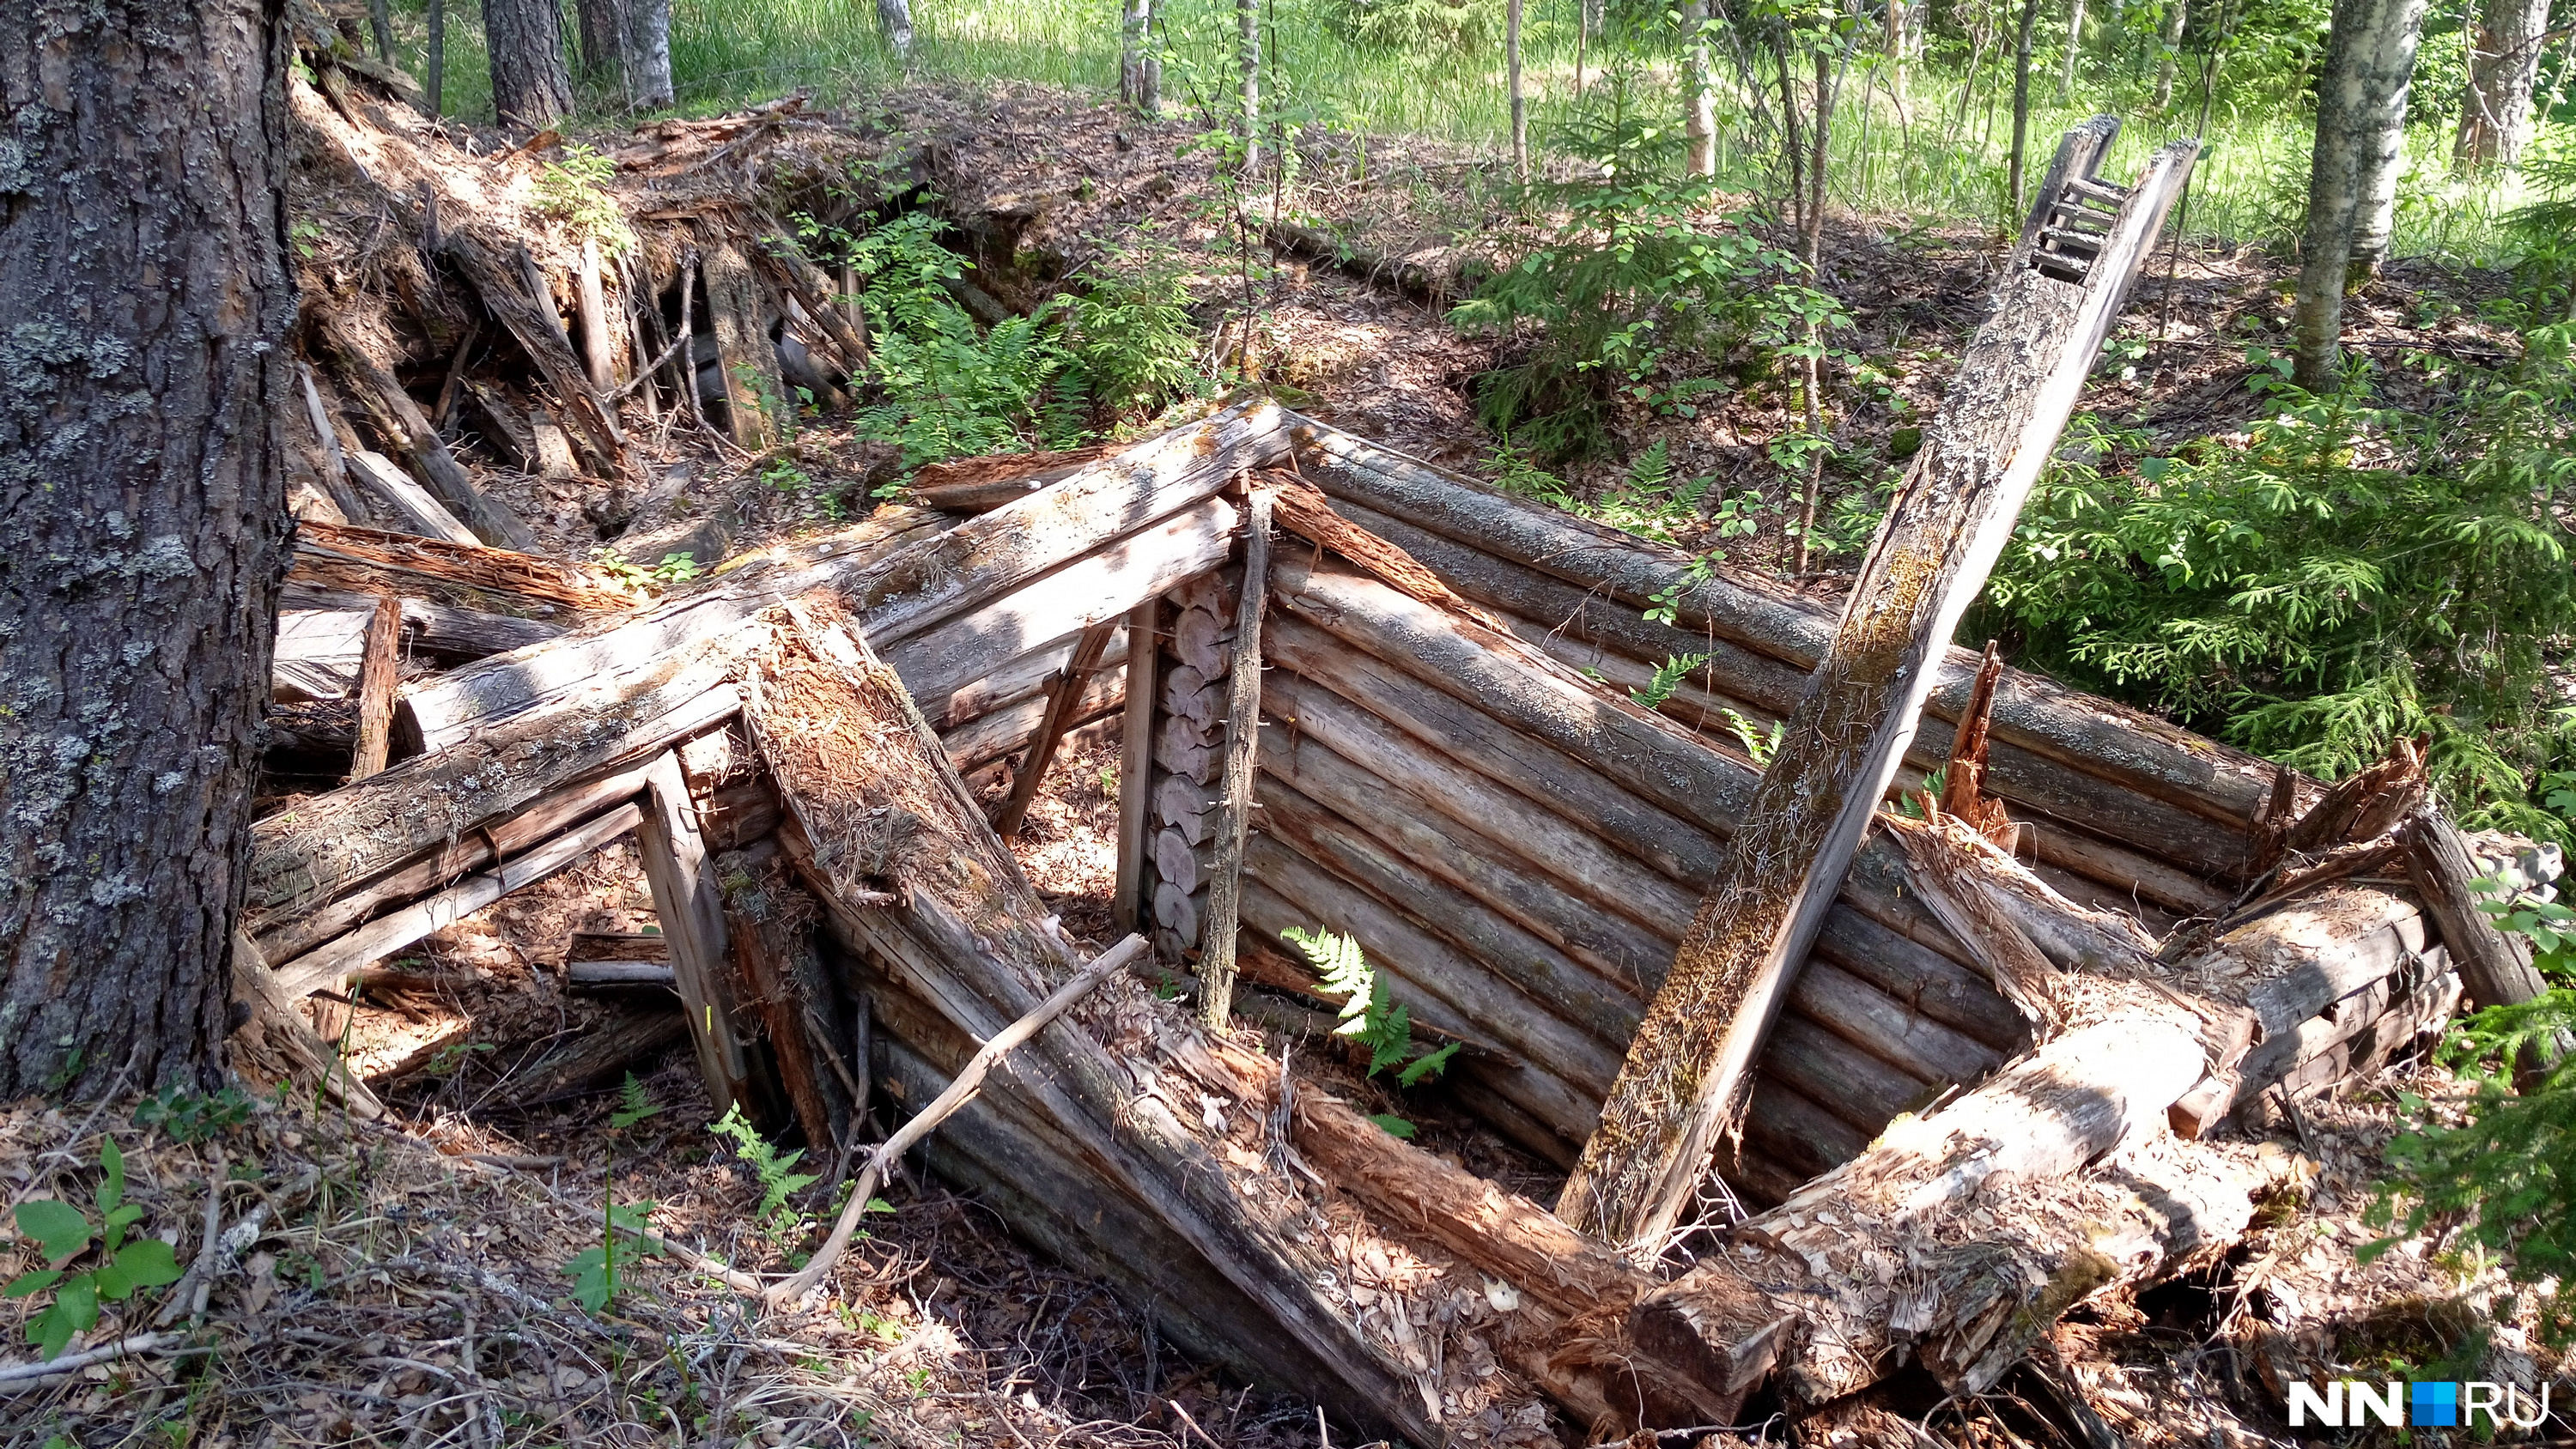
x=379, y=674
x=1064, y=696
x=1690, y=1059
x=690, y=904
x=1234, y=810
x=1128, y=910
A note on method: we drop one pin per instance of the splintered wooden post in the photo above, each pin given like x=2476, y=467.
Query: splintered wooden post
x=1690, y=1059
x=379, y=672
x=1136, y=764
x=1064, y=696
x=690, y=904
x=1234, y=809
x=1963, y=779
x=756, y=406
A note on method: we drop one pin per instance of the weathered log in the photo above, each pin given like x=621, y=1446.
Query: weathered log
x=1434, y=282
x=597, y=1059
x=409, y=432
x=688, y=899
x=599, y=356
x=620, y=973
x=439, y=633
x=902, y=592
x=1016, y=682
x=1063, y=701
x=533, y=320
x=1963, y=795
x=980, y=485
x=379, y=672
x=330, y=964
x=1007, y=731
x=757, y=407
x=2140, y=753
x=317, y=653
x=2495, y=969
x=1235, y=787
x=366, y=561
x=274, y=1039
x=1943, y=533
x=406, y=501
x=984, y=975
x=335, y=472
x=1129, y=909
x=767, y=924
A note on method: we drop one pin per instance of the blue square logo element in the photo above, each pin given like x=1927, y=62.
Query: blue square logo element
x=2434, y=1406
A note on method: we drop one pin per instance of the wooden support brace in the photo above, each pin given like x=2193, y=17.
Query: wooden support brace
x=1064, y=699
x=690, y=904
x=379, y=673
x=756, y=404
x=408, y=430
x=1242, y=738
x=1136, y=764
x=1691, y=1060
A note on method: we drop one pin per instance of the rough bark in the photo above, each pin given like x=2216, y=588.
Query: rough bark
x=530, y=85
x=2504, y=67
x=2361, y=139
x=894, y=21
x=603, y=39
x=1699, y=93
x=1242, y=747
x=648, y=54
x=379, y=672
x=142, y=484
x=1841, y=749
x=1140, y=71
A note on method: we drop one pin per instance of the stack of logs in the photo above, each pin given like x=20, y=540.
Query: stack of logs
x=1187, y=758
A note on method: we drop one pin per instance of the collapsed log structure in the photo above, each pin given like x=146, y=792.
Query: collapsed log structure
x=1412, y=703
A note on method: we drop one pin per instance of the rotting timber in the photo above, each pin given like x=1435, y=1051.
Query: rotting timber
x=1445, y=764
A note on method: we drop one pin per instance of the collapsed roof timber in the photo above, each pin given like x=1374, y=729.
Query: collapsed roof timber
x=1452, y=772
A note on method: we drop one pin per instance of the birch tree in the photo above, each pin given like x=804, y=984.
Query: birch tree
x=2361, y=125
x=1699, y=92
x=2504, y=65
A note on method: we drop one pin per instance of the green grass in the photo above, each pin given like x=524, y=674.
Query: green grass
x=1941, y=159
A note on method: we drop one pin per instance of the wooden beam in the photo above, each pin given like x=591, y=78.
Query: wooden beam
x=379, y=672
x=1064, y=699
x=1136, y=764
x=405, y=500
x=1242, y=744
x=689, y=901
x=408, y=431
x=757, y=408
x=1691, y=1058
x=538, y=327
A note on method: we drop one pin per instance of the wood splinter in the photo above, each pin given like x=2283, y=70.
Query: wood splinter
x=960, y=1091
x=1242, y=736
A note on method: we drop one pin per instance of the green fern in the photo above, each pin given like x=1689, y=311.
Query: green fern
x=771, y=1167
x=1668, y=677
x=1369, y=1016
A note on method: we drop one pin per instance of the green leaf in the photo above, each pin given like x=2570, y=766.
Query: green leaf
x=594, y=1281
x=144, y=1263
x=879, y=1205
x=58, y=1228
x=111, y=1188
x=36, y=1282
x=1395, y=1126
x=1429, y=1064
x=74, y=1310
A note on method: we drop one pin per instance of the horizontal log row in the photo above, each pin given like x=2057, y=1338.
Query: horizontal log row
x=1531, y=892
x=1766, y=639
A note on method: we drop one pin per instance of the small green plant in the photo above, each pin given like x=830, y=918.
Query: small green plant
x=1759, y=743
x=675, y=568
x=773, y=1169
x=1134, y=344
x=594, y=1270
x=185, y=1116
x=574, y=191
x=1668, y=677
x=1370, y=1015
x=62, y=1232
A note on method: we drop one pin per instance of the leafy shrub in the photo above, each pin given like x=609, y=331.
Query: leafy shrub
x=574, y=191
x=1133, y=340
x=2343, y=576
x=773, y=1170
x=62, y=1233
x=1420, y=24
x=1632, y=280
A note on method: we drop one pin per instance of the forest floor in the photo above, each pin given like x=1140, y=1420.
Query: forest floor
x=406, y=1282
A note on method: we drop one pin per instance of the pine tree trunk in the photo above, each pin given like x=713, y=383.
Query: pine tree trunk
x=2019, y=177
x=603, y=39
x=436, y=61
x=2504, y=66
x=1699, y=96
x=380, y=21
x=2361, y=125
x=530, y=86
x=894, y=17
x=1247, y=20
x=1520, y=105
x=2177, y=15
x=145, y=279
x=648, y=54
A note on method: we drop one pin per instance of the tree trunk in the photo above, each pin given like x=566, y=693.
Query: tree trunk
x=1520, y=104
x=145, y=552
x=648, y=54
x=2504, y=66
x=1139, y=74
x=1699, y=94
x=1247, y=61
x=1841, y=748
x=2361, y=125
x=380, y=21
x=436, y=61
x=2074, y=52
x=530, y=86
x=603, y=39
x=2177, y=15
x=894, y=17
x=2021, y=109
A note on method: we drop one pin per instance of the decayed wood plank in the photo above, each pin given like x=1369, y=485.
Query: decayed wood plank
x=330, y=964
x=1136, y=763
x=408, y=430
x=1063, y=700
x=379, y=672
x=757, y=407
x=406, y=500
x=1242, y=746
x=899, y=593
x=1943, y=532
x=367, y=561
x=539, y=330
x=1008, y=730
x=980, y=485
x=689, y=901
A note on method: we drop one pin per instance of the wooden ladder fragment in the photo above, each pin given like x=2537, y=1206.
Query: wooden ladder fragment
x=1687, y=1067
